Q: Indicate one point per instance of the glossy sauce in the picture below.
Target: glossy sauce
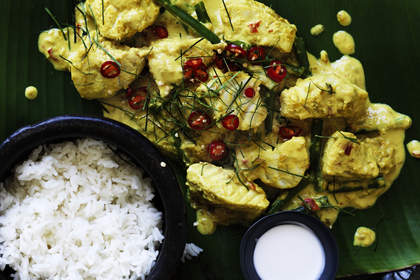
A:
(317, 30)
(364, 237)
(390, 124)
(31, 92)
(413, 148)
(289, 252)
(344, 18)
(344, 42)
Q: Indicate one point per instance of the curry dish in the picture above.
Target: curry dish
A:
(229, 88)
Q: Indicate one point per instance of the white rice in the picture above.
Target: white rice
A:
(190, 251)
(76, 210)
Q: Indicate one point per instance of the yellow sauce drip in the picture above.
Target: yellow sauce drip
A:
(344, 18)
(364, 237)
(317, 30)
(413, 148)
(31, 92)
(344, 42)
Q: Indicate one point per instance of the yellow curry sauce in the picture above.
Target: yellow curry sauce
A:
(317, 29)
(31, 92)
(344, 42)
(413, 148)
(364, 237)
(260, 125)
(344, 18)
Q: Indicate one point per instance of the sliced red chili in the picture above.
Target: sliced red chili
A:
(136, 97)
(249, 92)
(277, 71)
(195, 69)
(50, 53)
(219, 62)
(199, 120)
(201, 75)
(160, 31)
(256, 53)
(254, 26)
(311, 204)
(225, 64)
(217, 150)
(235, 50)
(287, 132)
(188, 74)
(110, 69)
(348, 148)
(194, 63)
(230, 122)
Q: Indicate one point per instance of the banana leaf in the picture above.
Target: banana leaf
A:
(386, 35)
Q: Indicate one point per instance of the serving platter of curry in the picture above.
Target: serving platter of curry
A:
(259, 106)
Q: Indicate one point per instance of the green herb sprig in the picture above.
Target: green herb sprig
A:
(57, 23)
(190, 21)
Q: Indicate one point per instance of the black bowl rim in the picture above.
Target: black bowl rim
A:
(250, 238)
(140, 150)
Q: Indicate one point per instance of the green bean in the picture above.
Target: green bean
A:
(377, 183)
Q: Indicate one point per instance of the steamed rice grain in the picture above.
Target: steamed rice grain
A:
(76, 210)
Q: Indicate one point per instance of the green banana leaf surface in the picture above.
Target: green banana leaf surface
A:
(387, 40)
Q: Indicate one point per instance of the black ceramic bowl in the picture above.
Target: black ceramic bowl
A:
(127, 141)
(250, 238)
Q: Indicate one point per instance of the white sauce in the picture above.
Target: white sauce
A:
(289, 252)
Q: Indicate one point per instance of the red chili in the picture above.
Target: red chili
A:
(311, 204)
(225, 64)
(217, 150)
(219, 62)
(236, 51)
(194, 63)
(230, 122)
(110, 69)
(160, 31)
(201, 75)
(188, 74)
(276, 71)
(50, 53)
(287, 132)
(249, 92)
(136, 97)
(348, 148)
(195, 68)
(199, 120)
(254, 26)
(256, 53)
